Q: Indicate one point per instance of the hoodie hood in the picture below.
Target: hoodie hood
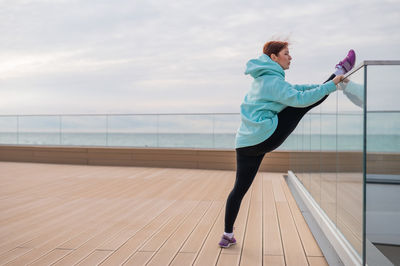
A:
(264, 65)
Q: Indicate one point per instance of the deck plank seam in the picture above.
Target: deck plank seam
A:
(161, 227)
(279, 227)
(283, 182)
(208, 233)
(175, 229)
(148, 238)
(245, 225)
(194, 228)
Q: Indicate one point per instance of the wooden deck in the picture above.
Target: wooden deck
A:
(88, 215)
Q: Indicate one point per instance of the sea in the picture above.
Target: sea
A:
(295, 142)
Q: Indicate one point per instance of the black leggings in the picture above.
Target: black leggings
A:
(248, 159)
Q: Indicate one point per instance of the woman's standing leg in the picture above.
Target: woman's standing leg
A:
(247, 167)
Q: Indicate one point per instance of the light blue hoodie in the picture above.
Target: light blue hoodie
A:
(269, 94)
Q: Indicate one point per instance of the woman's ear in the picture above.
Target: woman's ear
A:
(274, 57)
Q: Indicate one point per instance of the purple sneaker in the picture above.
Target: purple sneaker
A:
(226, 242)
(348, 62)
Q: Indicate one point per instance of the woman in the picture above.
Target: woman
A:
(271, 111)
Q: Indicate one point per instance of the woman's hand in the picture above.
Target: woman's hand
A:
(337, 79)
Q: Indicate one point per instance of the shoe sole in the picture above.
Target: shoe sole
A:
(230, 244)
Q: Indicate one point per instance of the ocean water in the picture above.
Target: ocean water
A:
(375, 143)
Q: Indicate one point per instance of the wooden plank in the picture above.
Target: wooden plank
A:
(45, 243)
(59, 160)
(54, 148)
(309, 243)
(143, 163)
(272, 235)
(195, 240)
(183, 258)
(229, 260)
(171, 247)
(59, 154)
(35, 207)
(123, 205)
(51, 257)
(13, 254)
(270, 260)
(21, 238)
(252, 253)
(53, 233)
(279, 195)
(293, 250)
(162, 157)
(8, 205)
(44, 212)
(124, 252)
(154, 157)
(125, 234)
(89, 230)
(209, 252)
(94, 258)
(16, 157)
(109, 230)
(139, 258)
(196, 156)
(160, 237)
(216, 166)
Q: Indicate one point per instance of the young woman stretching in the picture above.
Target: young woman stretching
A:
(271, 111)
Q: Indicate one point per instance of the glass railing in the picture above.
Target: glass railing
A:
(348, 159)
(125, 130)
(210, 131)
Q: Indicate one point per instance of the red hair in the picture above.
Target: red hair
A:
(274, 47)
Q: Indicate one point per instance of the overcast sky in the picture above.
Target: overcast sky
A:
(154, 56)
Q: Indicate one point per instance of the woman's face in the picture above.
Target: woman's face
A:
(283, 58)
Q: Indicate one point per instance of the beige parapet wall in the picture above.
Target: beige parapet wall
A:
(277, 161)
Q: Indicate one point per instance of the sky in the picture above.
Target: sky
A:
(156, 56)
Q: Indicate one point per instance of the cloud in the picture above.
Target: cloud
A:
(181, 56)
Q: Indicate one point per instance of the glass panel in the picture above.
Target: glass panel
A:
(8, 130)
(340, 186)
(350, 120)
(186, 131)
(39, 130)
(306, 151)
(177, 130)
(290, 144)
(331, 167)
(132, 130)
(225, 127)
(300, 158)
(383, 165)
(328, 157)
(294, 155)
(315, 156)
(84, 130)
